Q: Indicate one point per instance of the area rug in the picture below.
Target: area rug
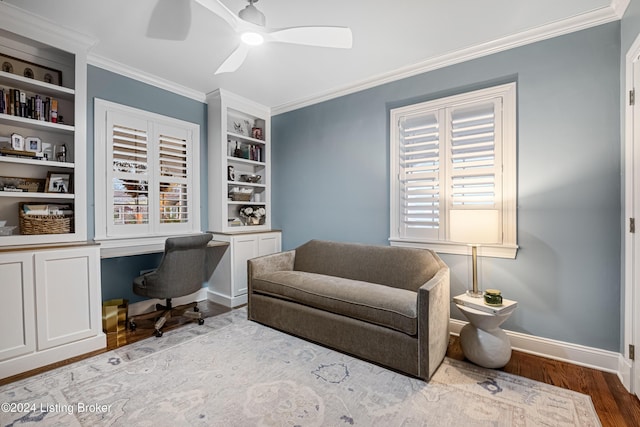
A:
(233, 372)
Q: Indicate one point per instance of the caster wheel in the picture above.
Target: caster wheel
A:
(200, 321)
(132, 326)
(158, 333)
(196, 309)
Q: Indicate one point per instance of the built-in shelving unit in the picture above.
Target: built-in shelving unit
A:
(69, 58)
(239, 146)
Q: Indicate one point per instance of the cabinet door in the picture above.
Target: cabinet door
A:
(244, 248)
(67, 296)
(269, 243)
(17, 324)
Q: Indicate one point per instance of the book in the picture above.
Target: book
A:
(478, 304)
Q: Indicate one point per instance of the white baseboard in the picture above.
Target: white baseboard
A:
(150, 305)
(225, 300)
(603, 360)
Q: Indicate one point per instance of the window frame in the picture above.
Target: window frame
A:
(508, 179)
(155, 231)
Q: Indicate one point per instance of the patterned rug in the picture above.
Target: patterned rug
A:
(233, 372)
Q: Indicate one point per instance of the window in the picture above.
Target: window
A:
(147, 176)
(452, 157)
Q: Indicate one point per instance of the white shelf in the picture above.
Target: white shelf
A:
(16, 81)
(246, 138)
(27, 161)
(36, 124)
(245, 161)
(246, 184)
(34, 195)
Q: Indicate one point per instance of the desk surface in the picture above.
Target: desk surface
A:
(145, 249)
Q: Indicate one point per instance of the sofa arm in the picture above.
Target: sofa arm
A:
(433, 322)
(281, 261)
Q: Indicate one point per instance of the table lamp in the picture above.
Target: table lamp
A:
(474, 227)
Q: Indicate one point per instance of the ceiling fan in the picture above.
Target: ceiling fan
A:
(249, 23)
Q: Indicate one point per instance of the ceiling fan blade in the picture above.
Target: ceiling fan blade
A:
(338, 37)
(235, 60)
(170, 20)
(222, 11)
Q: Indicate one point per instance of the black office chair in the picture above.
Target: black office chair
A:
(181, 272)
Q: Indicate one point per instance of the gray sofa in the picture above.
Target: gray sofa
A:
(388, 305)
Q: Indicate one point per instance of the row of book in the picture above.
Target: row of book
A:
(16, 102)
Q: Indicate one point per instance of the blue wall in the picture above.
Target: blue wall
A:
(118, 273)
(331, 179)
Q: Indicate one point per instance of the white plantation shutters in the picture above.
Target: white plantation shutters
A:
(174, 161)
(475, 161)
(420, 174)
(128, 174)
(452, 155)
(151, 178)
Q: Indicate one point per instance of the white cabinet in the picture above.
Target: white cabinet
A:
(228, 284)
(239, 163)
(50, 308)
(64, 52)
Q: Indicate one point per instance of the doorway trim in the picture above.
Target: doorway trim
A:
(630, 297)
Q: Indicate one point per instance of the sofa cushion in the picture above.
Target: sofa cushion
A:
(405, 268)
(383, 305)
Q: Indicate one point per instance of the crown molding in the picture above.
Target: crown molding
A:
(128, 71)
(596, 17)
(29, 25)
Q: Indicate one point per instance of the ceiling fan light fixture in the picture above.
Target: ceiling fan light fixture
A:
(252, 39)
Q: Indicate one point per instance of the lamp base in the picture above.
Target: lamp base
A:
(475, 294)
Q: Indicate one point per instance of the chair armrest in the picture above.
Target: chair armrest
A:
(433, 322)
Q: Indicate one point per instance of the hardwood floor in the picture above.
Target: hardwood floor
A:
(614, 405)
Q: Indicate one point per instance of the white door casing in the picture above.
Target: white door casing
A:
(630, 371)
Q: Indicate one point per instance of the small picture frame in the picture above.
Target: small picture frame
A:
(17, 142)
(58, 182)
(30, 70)
(33, 144)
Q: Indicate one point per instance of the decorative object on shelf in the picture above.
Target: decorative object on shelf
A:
(58, 182)
(252, 178)
(17, 142)
(493, 297)
(474, 227)
(253, 215)
(241, 194)
(7, 230)
(61, 153)
(45, 219)
(17, 153)
(47, 151)
(33, 144)
(30, 70)
(237, 152)
(20, 185)
(256, 132)
(231, 175)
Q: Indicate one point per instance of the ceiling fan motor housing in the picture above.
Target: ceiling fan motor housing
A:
(252, 14)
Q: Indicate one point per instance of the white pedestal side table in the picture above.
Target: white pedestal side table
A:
(482, 340)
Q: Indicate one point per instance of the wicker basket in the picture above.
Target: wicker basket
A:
(241, 196)
(44, 224)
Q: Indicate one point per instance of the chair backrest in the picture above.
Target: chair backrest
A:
(182, 269)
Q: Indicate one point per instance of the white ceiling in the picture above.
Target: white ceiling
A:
(390, 39)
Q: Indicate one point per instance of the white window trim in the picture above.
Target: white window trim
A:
(509, 247)
(101, 186)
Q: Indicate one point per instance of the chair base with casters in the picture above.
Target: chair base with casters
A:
(165, 312)
(181, 272)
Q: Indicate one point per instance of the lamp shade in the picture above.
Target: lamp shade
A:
(474, 226)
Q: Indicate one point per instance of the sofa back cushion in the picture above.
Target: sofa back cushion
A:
(403, 268)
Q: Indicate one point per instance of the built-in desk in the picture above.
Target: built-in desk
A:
(146, 248)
